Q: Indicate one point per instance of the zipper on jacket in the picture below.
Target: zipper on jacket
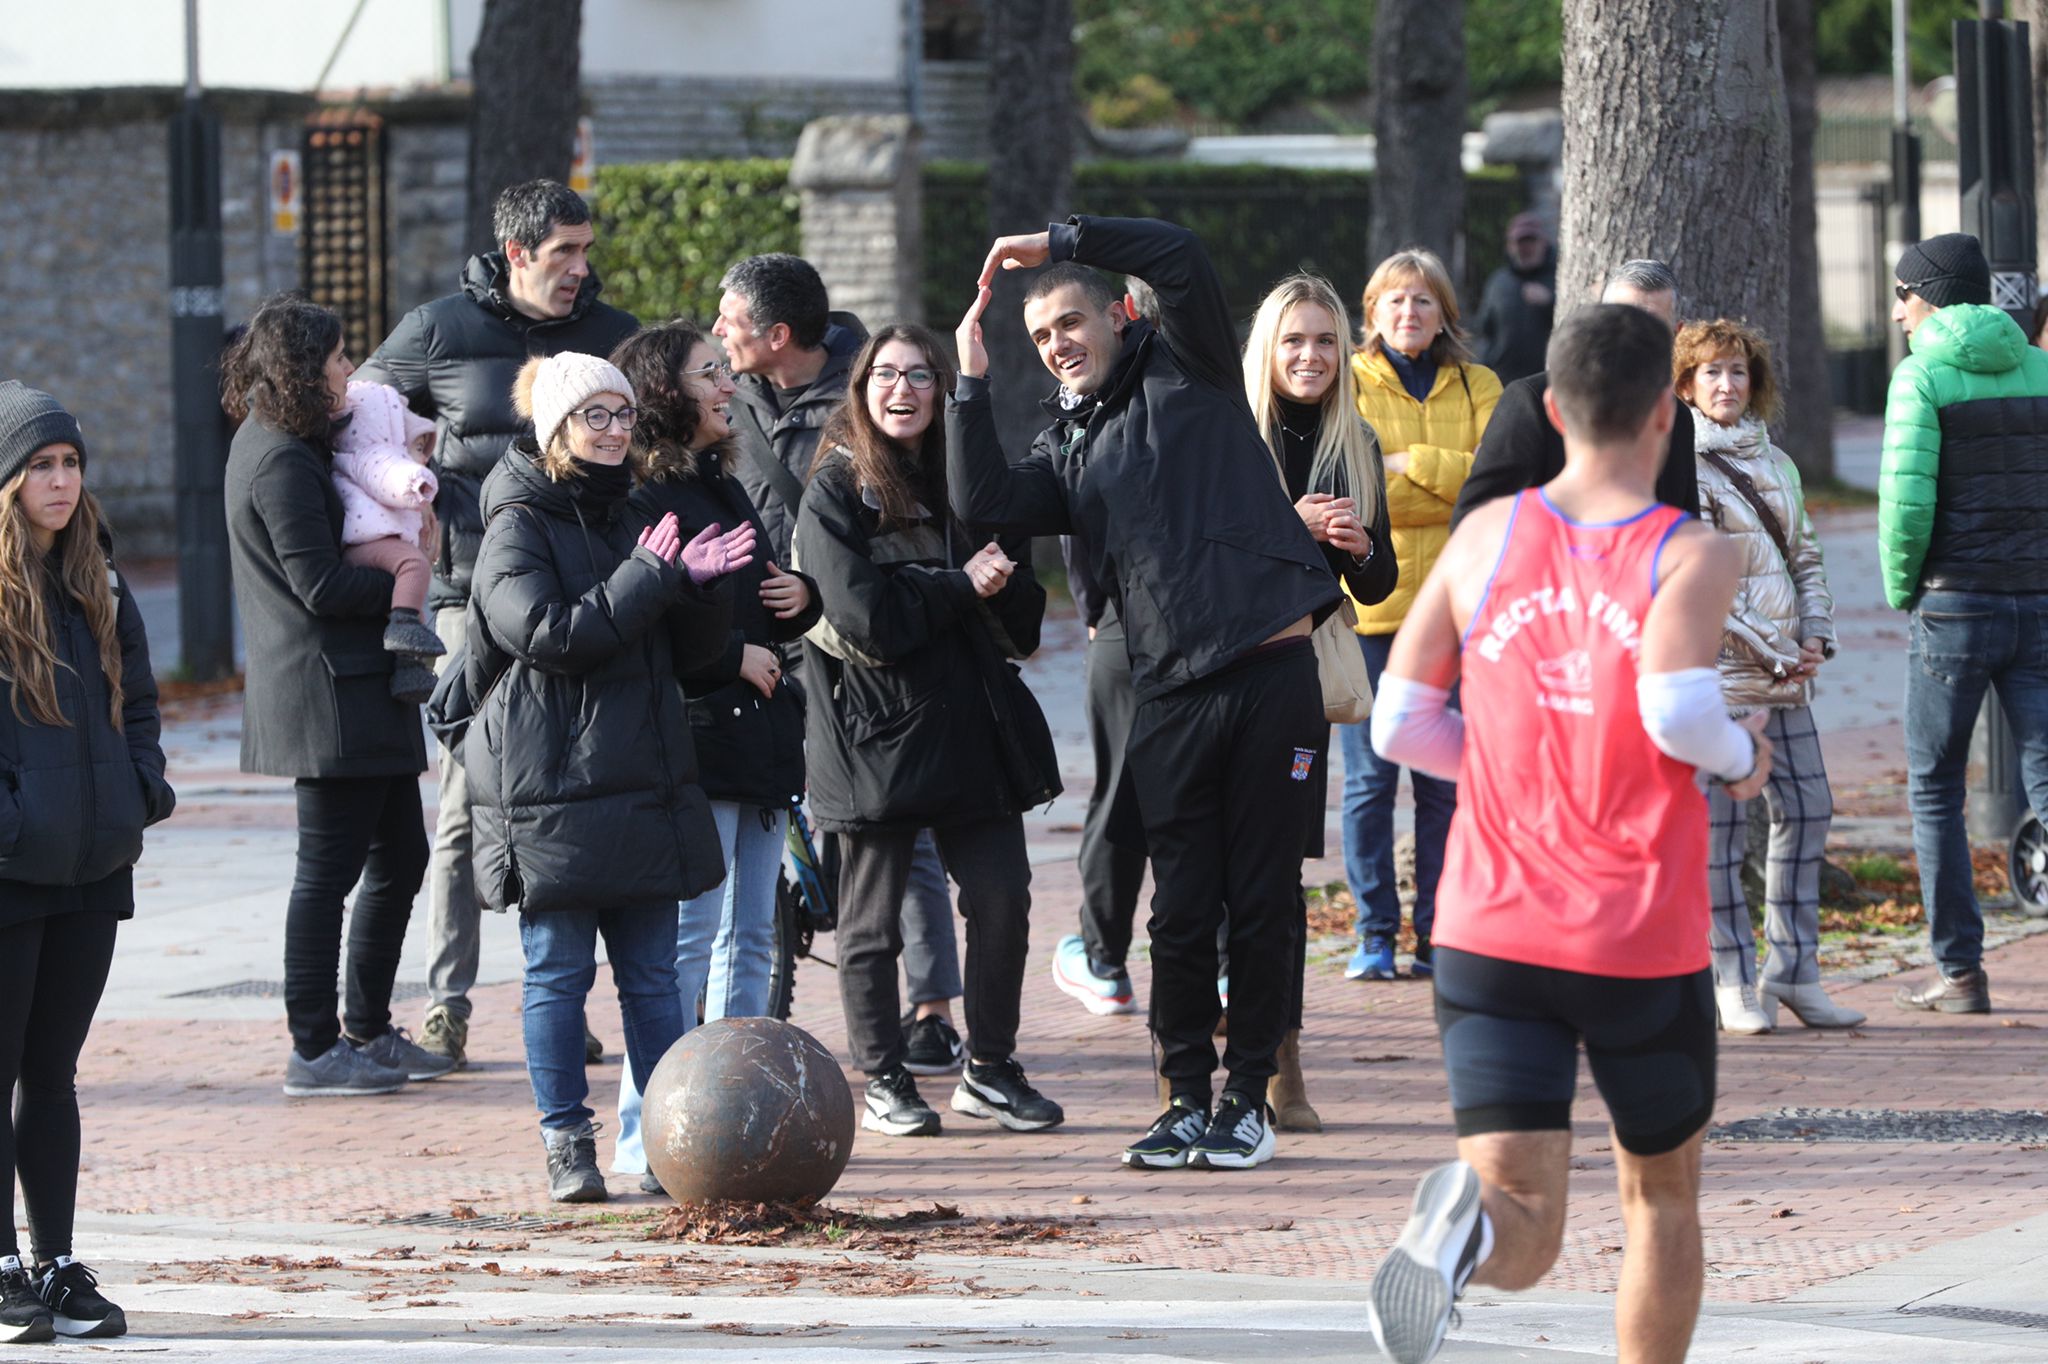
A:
(88, 787)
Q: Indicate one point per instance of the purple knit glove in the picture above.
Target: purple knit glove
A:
(710, 556)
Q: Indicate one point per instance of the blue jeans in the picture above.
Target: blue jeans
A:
(561, 966)
(724, 946)
(1964, 642)
(1369, 785)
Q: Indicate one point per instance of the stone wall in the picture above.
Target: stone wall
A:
(426, 177)
(863, 211)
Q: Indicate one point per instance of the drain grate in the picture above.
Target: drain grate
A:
(2005, 1127)
(491, 1222)
(1994, 1316)
(274, 989)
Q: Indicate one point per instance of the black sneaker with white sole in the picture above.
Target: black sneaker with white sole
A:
(895, 1109)
(998, 1089)
(1240, 1135)
(24, 1316)
(931, 1046)
(1417, 1286)
(1165, 1146)
(77, 1309)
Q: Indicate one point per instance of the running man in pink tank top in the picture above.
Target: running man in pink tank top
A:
(1582, 620)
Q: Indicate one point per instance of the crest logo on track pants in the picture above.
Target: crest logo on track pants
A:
(1304, 759)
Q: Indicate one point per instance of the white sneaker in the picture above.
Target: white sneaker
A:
(1809, 1004)
(1739, 1010)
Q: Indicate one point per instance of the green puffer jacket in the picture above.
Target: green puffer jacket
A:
(1963, 486)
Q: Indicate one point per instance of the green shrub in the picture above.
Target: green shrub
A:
(666, 231)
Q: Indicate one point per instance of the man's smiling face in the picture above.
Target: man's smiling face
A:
(1078, 342)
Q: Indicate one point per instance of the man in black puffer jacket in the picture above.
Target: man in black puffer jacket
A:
(454, 359)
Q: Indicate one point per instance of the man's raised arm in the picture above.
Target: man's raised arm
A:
(986, 490)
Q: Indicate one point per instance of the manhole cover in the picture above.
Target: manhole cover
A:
(274, 989)
(475, 1222)
(1995, 1316)
(1995, 1125)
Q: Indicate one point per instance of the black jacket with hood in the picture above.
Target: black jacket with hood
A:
(582, 778)
(1166, 480)
(750, 748)
(454, 359)
(75, 798)
(916, 717)
(1513, 331)
(775, 447)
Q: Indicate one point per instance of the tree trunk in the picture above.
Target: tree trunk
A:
(1806, 430)
(1030, 183)
(522, 117)
(1418, 82)
(1676, 146)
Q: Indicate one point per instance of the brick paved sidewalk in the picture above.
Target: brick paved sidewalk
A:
(186, 1118)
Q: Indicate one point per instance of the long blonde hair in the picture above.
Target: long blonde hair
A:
(1344, 436)
(27, 658)
(1450, 346)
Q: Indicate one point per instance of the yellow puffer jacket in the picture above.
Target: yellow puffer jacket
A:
(1439, 436)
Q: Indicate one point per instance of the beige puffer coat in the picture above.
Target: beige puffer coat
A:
(1776, 605)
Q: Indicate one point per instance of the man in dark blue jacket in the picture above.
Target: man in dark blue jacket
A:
(1158, 468)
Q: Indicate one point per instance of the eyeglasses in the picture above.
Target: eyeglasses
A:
(1902, 292)
(717, 369)
(601, 418)
(884, 376)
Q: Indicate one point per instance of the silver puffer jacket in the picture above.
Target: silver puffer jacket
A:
(1777, 604)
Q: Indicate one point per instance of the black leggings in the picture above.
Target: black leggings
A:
(51, 974)
(350, 827)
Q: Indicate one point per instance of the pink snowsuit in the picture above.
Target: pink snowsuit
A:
(387, 492)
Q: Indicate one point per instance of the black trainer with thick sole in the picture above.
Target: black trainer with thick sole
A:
(78, 1311)
(1165, 1146)
(24, 1316)
(1240, 1135)
(1418, 1284)
(893, 1107)
(1000, 1091)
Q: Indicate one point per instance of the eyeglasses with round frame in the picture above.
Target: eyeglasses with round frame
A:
(714, 371)
(883, 376)
(600, 418)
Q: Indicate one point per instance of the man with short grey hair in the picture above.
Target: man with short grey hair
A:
(1521, 449)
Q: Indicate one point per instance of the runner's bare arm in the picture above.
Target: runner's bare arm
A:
(1678, 689)
(1412, 722)
(1696, 579)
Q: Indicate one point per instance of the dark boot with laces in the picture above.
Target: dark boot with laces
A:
(573, 1176)
(78, 1311)
(24, 1317)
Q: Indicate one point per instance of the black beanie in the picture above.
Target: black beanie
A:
(1947, 269)
(29, 420)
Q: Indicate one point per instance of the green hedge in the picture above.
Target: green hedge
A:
(666, 231)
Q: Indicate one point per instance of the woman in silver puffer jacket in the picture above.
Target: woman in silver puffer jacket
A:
(1779, 631)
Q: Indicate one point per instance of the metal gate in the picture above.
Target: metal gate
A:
(342, 246)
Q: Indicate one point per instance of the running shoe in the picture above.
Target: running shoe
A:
(1240, 1135)
(999, 1090)
(77, 1310)
(931, 1046)
(24, 1316)
(1101, 990)
(1425, 958)
(1374, 959)
(340, 1071)
(651, 1183)
(393, 1050)
(1415, 1291)
(895, 1109)
(573, 1176)
(1165, 1146)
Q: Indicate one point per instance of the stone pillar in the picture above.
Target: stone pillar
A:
(861, 181)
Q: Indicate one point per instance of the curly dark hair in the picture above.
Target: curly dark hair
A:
(652, 360)
(277, 369)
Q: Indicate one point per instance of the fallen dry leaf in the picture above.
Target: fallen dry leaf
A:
(1784, 1212)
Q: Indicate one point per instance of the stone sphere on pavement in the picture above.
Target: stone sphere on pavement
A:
(750, 1109)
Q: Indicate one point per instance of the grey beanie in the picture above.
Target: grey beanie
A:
(1947, 269)
(29, 420)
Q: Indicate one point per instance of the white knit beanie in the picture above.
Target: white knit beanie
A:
(564, 383)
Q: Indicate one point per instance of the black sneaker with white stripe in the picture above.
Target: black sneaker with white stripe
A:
(1165, 1146)
(1240, 1136)
(77, 1310)
(895, 1109)
(998, 1089)
(1417, 1286)
(24, 1317)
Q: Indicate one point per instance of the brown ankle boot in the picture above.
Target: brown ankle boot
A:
(1287, 1094)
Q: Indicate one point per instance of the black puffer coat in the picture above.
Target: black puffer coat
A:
(750, 748)
(765, 434)
(74, 799)
(454, 359)
(582, 780)
(915, 718)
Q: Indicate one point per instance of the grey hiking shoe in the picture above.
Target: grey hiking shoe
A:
(573, 1176)
(408, 634)
(446, 1033)
(339, 1072)
(397, 1051)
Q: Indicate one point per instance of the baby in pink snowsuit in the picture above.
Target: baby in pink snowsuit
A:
(387, 502)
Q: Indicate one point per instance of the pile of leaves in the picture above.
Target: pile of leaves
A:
(940, 1227)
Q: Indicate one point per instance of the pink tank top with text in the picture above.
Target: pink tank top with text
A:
(1577, 844)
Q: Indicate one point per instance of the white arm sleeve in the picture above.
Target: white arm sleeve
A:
(1685, 717)
(1413, 725)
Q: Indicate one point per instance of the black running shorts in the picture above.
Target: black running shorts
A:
(1511, 1034)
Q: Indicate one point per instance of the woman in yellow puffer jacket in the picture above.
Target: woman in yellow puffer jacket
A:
(1429, 403)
